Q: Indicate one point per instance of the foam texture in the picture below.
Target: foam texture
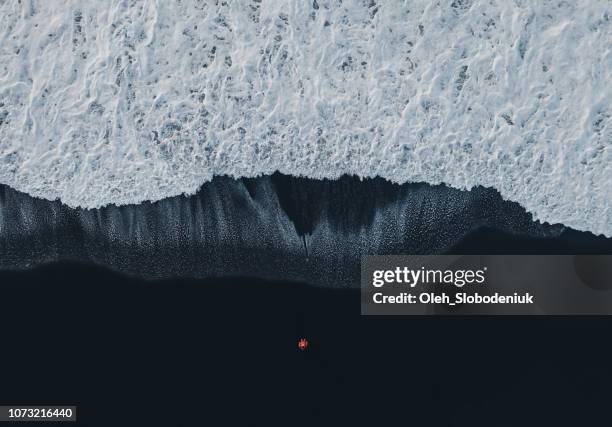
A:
(117, 101)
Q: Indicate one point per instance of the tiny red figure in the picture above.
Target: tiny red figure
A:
(302, 344)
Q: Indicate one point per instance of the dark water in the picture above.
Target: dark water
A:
(486, 240)
(192, 353)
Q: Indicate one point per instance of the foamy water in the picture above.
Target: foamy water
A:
(124, 101)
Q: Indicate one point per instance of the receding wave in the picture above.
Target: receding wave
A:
(276, 227)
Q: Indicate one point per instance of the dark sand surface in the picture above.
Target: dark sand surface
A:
(192, 353)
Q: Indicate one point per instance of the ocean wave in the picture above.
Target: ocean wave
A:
(116, 102)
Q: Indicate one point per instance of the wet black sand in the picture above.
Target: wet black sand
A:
(276, 228)
(118, 311)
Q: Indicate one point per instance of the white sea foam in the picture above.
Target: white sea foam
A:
(116, 101)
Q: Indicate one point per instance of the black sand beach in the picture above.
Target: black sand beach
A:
(188, 311)
(201, 352)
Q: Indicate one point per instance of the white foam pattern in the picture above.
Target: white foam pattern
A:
(122, 101)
